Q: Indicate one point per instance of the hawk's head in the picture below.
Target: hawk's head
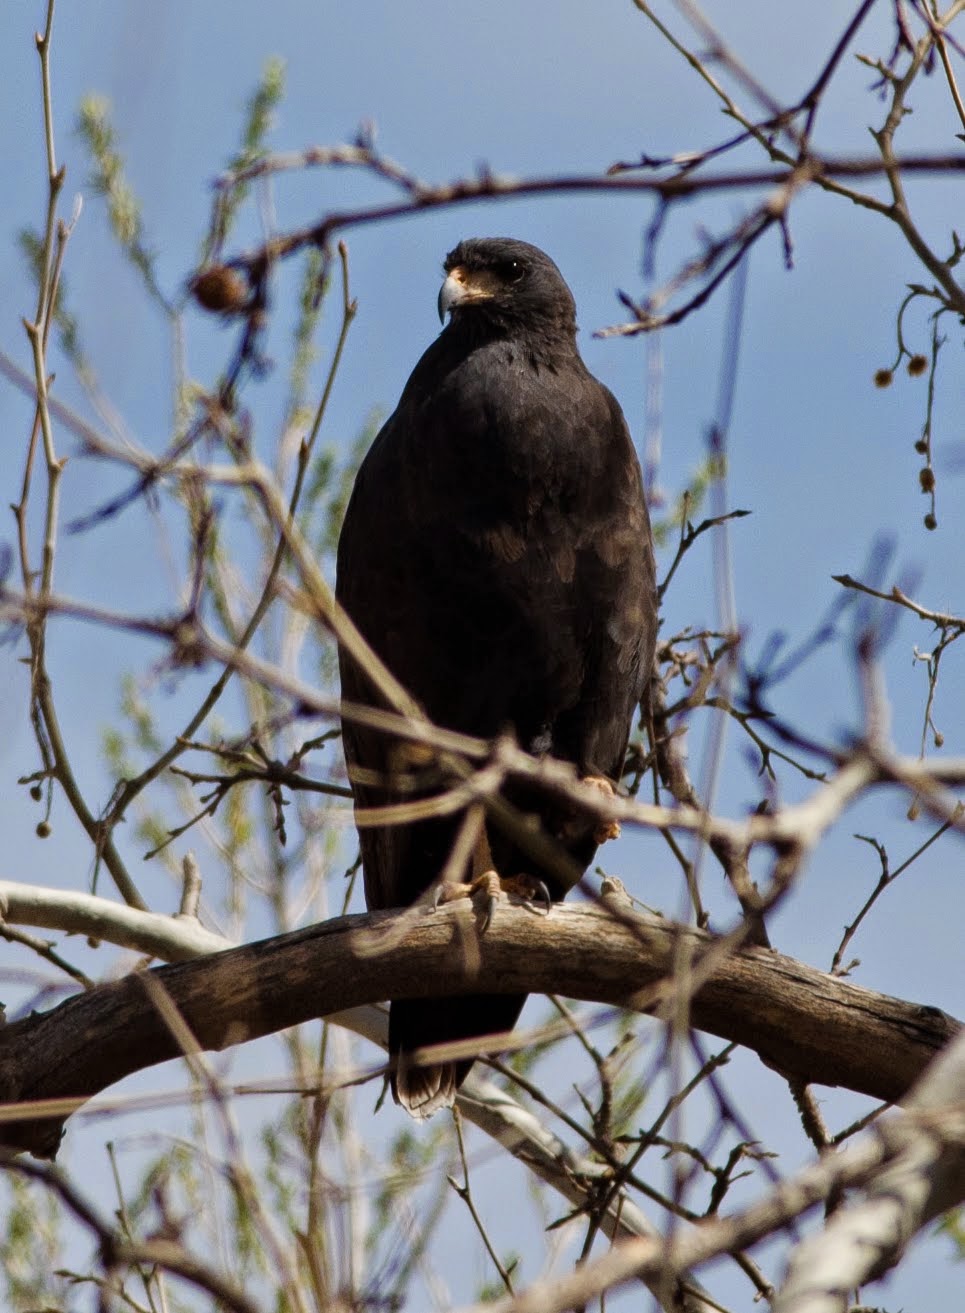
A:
(505, 281)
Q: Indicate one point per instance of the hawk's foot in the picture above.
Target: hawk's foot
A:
(527, 887)
(603, 830)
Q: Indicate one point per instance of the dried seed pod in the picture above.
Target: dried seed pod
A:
(220, 289)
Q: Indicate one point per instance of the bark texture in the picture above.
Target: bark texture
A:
(798, 1019)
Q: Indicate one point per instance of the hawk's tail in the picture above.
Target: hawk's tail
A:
(420, 1023)
(424, 1090)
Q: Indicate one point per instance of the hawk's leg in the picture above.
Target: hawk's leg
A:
(487, 879)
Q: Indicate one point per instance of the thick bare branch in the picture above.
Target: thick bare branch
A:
(797, 1018)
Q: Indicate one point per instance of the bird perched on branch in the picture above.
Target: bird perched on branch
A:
(497, 555)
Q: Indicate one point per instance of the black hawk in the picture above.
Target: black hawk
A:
(496, 554)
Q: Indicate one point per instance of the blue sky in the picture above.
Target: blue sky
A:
(823, 459)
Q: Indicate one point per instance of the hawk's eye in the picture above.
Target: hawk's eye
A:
(510, 271)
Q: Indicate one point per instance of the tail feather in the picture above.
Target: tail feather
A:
(420, 1023)
(424, 1090)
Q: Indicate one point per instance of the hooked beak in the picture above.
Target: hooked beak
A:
(452, 292)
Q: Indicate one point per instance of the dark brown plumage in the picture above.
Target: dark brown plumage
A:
(496, 554)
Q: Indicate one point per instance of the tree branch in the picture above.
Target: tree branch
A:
(172, 938)
(923, 1178)
(913, 1166)
(795, 1017)
(653, 1257)
(494, 1111)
